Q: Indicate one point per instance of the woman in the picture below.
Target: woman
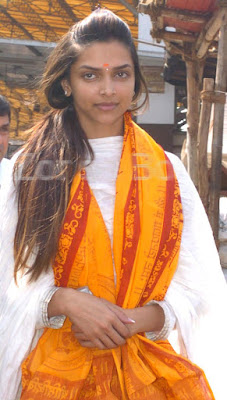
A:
(100, 238)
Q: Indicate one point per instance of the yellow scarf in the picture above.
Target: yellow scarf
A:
(147, 233)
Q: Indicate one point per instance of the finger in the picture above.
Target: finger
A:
(87, 343)
(121, 315)
(121, 328)
(75, 329)
(81, 336)
(93, 344)
(113, 340)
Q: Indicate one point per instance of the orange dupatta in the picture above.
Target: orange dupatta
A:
(147, 232)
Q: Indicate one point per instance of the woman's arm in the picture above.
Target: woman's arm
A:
(198, 292)
(96, 322)
(94, 319)
(149, 318)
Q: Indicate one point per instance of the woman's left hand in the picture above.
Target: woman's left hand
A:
(147, 319)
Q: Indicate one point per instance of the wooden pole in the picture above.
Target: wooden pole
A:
(204, 122)
(220, 86)
(194, 78)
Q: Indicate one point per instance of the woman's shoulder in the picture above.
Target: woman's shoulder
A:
(179, 168)
(189, 193)
(175, 161)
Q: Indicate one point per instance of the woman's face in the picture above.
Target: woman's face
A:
(102, 83)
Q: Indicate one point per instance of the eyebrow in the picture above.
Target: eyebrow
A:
(99, 69)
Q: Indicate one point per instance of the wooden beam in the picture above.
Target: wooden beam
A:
(34, 18)
(209, 32)
(68, 13)
(150, 43)
(14, 22)
(175, 49)
(174, 36)
(34, 51)
(160, 23)
(131, 8)
(204, 124)
(215, 178)
(183, 15)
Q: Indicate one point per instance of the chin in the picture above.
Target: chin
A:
(109, 121)
(108, 117)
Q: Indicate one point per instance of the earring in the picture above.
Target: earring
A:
(66, 93)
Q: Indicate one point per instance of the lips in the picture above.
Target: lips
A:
(106, 106)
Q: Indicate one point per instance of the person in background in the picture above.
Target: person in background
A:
(4, 136)
(113, 253)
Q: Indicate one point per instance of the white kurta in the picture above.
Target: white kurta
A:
(197, 293)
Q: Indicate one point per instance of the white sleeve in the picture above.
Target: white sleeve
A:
(19, 305)
(198, 292)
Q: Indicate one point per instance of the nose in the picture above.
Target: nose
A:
(107, 87)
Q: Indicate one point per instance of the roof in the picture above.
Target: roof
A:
(192, 5)
(202, 8)
(29, 30)
(188, 27)
(48, 20)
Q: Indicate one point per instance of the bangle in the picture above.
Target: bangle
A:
(170, 320)
(55, 322)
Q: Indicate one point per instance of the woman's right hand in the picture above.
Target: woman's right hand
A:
(96, 322)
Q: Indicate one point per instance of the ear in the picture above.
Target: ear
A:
(66, 87)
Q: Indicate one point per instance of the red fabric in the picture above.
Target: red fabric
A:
(203, 7)
(193, 5)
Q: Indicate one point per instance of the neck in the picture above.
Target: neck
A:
(95, 130)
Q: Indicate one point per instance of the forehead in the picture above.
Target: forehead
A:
(4, 120)
(98, 54)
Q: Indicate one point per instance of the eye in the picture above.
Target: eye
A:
(122, 74)
(4, 130)
(89, 76)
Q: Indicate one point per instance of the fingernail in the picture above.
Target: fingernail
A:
(131, 320)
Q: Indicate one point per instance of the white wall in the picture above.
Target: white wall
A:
(162, 105)
(161, 108)
(144, 28)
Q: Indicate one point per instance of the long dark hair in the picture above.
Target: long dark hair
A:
(57, 145)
